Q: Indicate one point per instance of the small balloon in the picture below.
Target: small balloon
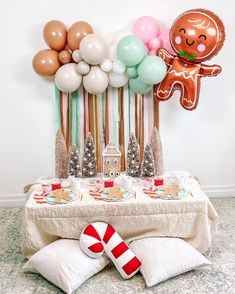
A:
(132, 72)
(117, 80)
(76, 56)
(118, 67)
(55, 35)
(46, 62)
(146, 28)
(65, 56)
(153, 52)
(96, 81)
(106, 65)
(154, 43)
(131, 50)
(93, 49)
(138, 86)
(152, 70)
(77, 32)
(83, 68)
(67, 78)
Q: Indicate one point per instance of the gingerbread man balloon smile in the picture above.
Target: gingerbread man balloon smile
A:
(196, 35)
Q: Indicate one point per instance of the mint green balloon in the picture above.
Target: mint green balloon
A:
(152, 70)
(138, 86)
(131, 50)
(131, 71)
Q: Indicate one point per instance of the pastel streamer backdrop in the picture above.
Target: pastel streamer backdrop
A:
(112, 115)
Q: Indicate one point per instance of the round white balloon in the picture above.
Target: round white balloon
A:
(118, 67)
(93, 49)
(96, 81)
(83, 68)
(67, 78)
(106, 65)
(76, 56)
(117, 80)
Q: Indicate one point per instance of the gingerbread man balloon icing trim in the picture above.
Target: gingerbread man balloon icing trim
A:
(196, 35)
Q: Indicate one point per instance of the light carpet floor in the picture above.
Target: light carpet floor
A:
(217, 278)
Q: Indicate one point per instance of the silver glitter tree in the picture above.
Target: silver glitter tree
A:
(74, 162)
(61, 156)
(89, 168)
(156, 146)
(133, 157)
(147, 162)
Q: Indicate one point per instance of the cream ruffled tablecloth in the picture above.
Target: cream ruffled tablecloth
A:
(191, 218)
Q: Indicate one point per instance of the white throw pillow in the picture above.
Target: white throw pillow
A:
(64, 264)
(164, 258)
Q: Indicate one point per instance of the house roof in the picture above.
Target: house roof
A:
(111, 150)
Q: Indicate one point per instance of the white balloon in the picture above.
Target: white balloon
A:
(106, 65)
(83, 68)
(118, 67)
(96, 81)
(67, 78)
(117, 80)
(76, 55)
(112, 54)
(93, 49)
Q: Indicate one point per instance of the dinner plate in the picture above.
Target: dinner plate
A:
(104, 195)
(74, 195)
(160, 190)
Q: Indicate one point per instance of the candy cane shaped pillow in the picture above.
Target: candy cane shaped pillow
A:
(99, 237)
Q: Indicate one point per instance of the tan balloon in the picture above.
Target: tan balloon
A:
(46, 62)
(55, 35)
(65, 56)
(76, 32)
(96, 81)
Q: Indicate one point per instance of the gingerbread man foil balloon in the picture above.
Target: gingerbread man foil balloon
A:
(196, 36)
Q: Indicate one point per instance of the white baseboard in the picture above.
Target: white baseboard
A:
(12, 200)
(216, 191)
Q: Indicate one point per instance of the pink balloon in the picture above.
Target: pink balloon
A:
(153, 52)
(164, 36)
(155, 43)
(146, 28)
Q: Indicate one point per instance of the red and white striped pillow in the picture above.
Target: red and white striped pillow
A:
(99, 237)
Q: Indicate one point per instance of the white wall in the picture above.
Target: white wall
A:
(202, 142)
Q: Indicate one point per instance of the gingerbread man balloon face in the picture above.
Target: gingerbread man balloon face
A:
(196, 35)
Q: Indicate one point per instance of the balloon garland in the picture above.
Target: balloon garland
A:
(79, 57)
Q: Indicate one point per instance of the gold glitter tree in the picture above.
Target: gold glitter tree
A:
(61, 156)
(156, 146)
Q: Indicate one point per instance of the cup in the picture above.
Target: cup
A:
(158, 182)
(55, 186)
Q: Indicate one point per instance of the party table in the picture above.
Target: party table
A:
(192, 218)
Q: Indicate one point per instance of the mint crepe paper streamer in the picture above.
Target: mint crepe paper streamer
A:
(74, 117)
